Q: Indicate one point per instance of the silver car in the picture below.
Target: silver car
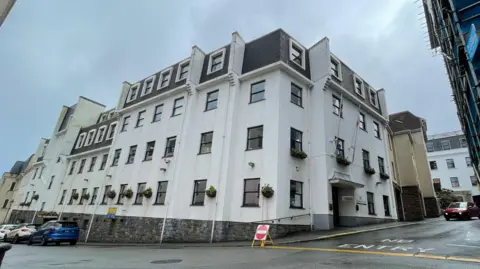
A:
(5, 228)
(20, 232)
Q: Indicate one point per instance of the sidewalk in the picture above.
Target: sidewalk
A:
(294, 238)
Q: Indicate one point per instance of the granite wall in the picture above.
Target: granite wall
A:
(431, 206)
(412, 203)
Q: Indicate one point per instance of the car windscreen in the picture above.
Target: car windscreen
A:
(31, 226)
(458, 205)
(69, 224)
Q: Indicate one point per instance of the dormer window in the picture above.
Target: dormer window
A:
(132, 94)
(165, 78)
(101, 134)
(81, 139)
(183, 69)
(111, 130)
(373, 97)
(216, 61)
(359, 85)
(336, 67)
(148, 85)
(103, 118)
(297, 53)
(90, 137)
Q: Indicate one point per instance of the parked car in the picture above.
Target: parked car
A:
(4, 229)
(56, 231)
(461, 210)
(20, 232)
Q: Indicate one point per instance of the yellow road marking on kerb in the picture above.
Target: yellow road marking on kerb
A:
(426, 256)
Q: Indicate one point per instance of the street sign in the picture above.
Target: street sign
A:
(112, 211)
(262, 235)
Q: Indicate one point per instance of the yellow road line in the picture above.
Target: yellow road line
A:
(426, 256)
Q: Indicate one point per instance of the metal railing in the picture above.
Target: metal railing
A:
(279, 219)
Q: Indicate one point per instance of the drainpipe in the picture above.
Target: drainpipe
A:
(395, 158)
(309, 165)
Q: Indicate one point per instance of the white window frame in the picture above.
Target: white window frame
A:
(290, 48)
(81, 139)
(370, 90)
(449, 145)
(137, 86)
(109, 129)
(214, 54)
(144, 88)
(187, 61)
(99, 138)
(159, 87)
(355, 78)
(339, 65)
(104, 117)
(91, 134)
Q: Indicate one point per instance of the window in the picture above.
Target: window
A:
(149, 150)
(105, 197)
(82, 165)
(64, 193)
(216, 61)
(376, 130)
(337, 106)
(454, 181)
(140, 119)
(296, 95)
(336, 68)
(178, 106)
(36, 171)
(386, 205)
(80, 140)
(43, 206)
(371, 203)
(94, 195)
(131, 154)
(170, 146)
(104, 162)
(26, 197)
(255, 137)
(468, 161)
(148, 85)
(123, 187)
(199, 187)
(41, 172)
(74, 191)
(157, 115)
(5, 203)
(84, 191)
(361, 121)
(296, 194)
(126, 121)
(373, 97)
(50, 183)
(116, 157)
(257, 92)
(450, 163)
(445, 144)
(132, 95)
(340, 148)
(212, 99)
(12, 187)
(90, 137)
(366, 158)
(433, 165)
(206, 143)
(92, 163)
(111, 130)
(381, 165)
(165, 79)
(161, 192)
(295, 139)
(474, 180)
(183, 70)
(251, 192)
(296, 53)
(430, 147)
(463, 143)
(358, 85)
(101, 134)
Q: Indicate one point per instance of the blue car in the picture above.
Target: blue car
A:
(55, 231)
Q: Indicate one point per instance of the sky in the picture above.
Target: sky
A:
(53, 51)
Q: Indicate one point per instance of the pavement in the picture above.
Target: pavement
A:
(433, 244)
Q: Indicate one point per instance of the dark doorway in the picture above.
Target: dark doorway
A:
(398, 203)
(336, 213)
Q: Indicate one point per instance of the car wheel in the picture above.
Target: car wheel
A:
(43, 242)
(15, 240)
(5, 238)
(30, 242)
(447, 218)
(73, 243)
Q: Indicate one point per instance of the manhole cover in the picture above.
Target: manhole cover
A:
(166, 261)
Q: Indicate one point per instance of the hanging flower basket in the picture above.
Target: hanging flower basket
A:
(111, 194)
(300, 154)
(211, 192)
(342, 160)
(75, 196)
(128, 193)
(267, 191)
(86, 196)
(22, 204)
(384, 176)
(47, 213)
(35, 197)
(28, 204)
(147, 193)
(369, 170)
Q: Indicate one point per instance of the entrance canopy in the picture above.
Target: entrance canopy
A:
(343, 180)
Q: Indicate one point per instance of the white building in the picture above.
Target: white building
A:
(451, 166)
(229, 119)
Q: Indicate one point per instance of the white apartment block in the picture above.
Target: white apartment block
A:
(269, 112)
(451, 166)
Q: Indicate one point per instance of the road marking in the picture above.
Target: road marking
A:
(462, 246)
(379, 247)
(398, 241)
(364, 231)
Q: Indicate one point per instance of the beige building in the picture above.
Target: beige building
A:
(5, 7)
(414, 190)
(9, 184)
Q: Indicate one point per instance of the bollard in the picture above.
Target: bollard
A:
(4, 248)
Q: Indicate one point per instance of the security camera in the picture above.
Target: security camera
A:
(163, 169)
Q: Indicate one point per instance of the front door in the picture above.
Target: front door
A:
(336, 213)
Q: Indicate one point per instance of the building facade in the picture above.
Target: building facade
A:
(415, 193)
(452, 27)
(5, 7)
(194, 150)
(451, 165)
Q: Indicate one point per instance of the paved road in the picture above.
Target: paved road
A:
(454, 238)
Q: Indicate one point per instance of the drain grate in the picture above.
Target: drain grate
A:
(166, 261)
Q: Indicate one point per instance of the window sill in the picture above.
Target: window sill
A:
(206, 153)
(372, 214)
(378, 138)
(103, 203)
(364, 130)
(253, 149)
(297, 104)
(209, 109)
(129, 163)
(145, 160)
(257, 101)
(137, 204)
(166, 157)
(138, 126)
(156, 121)
(341, 116)
(175, 115)
(255, 206)
(293, 207)
(119, 204)
(197, 205)
(158, 203)
(122, 131)
(113, 165)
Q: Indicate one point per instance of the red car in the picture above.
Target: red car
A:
(461, 210)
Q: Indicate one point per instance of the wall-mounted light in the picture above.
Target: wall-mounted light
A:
(297, 168)
(163, 169)
(167, 161)
(251, 164)
(86, 180)
(108, 176)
